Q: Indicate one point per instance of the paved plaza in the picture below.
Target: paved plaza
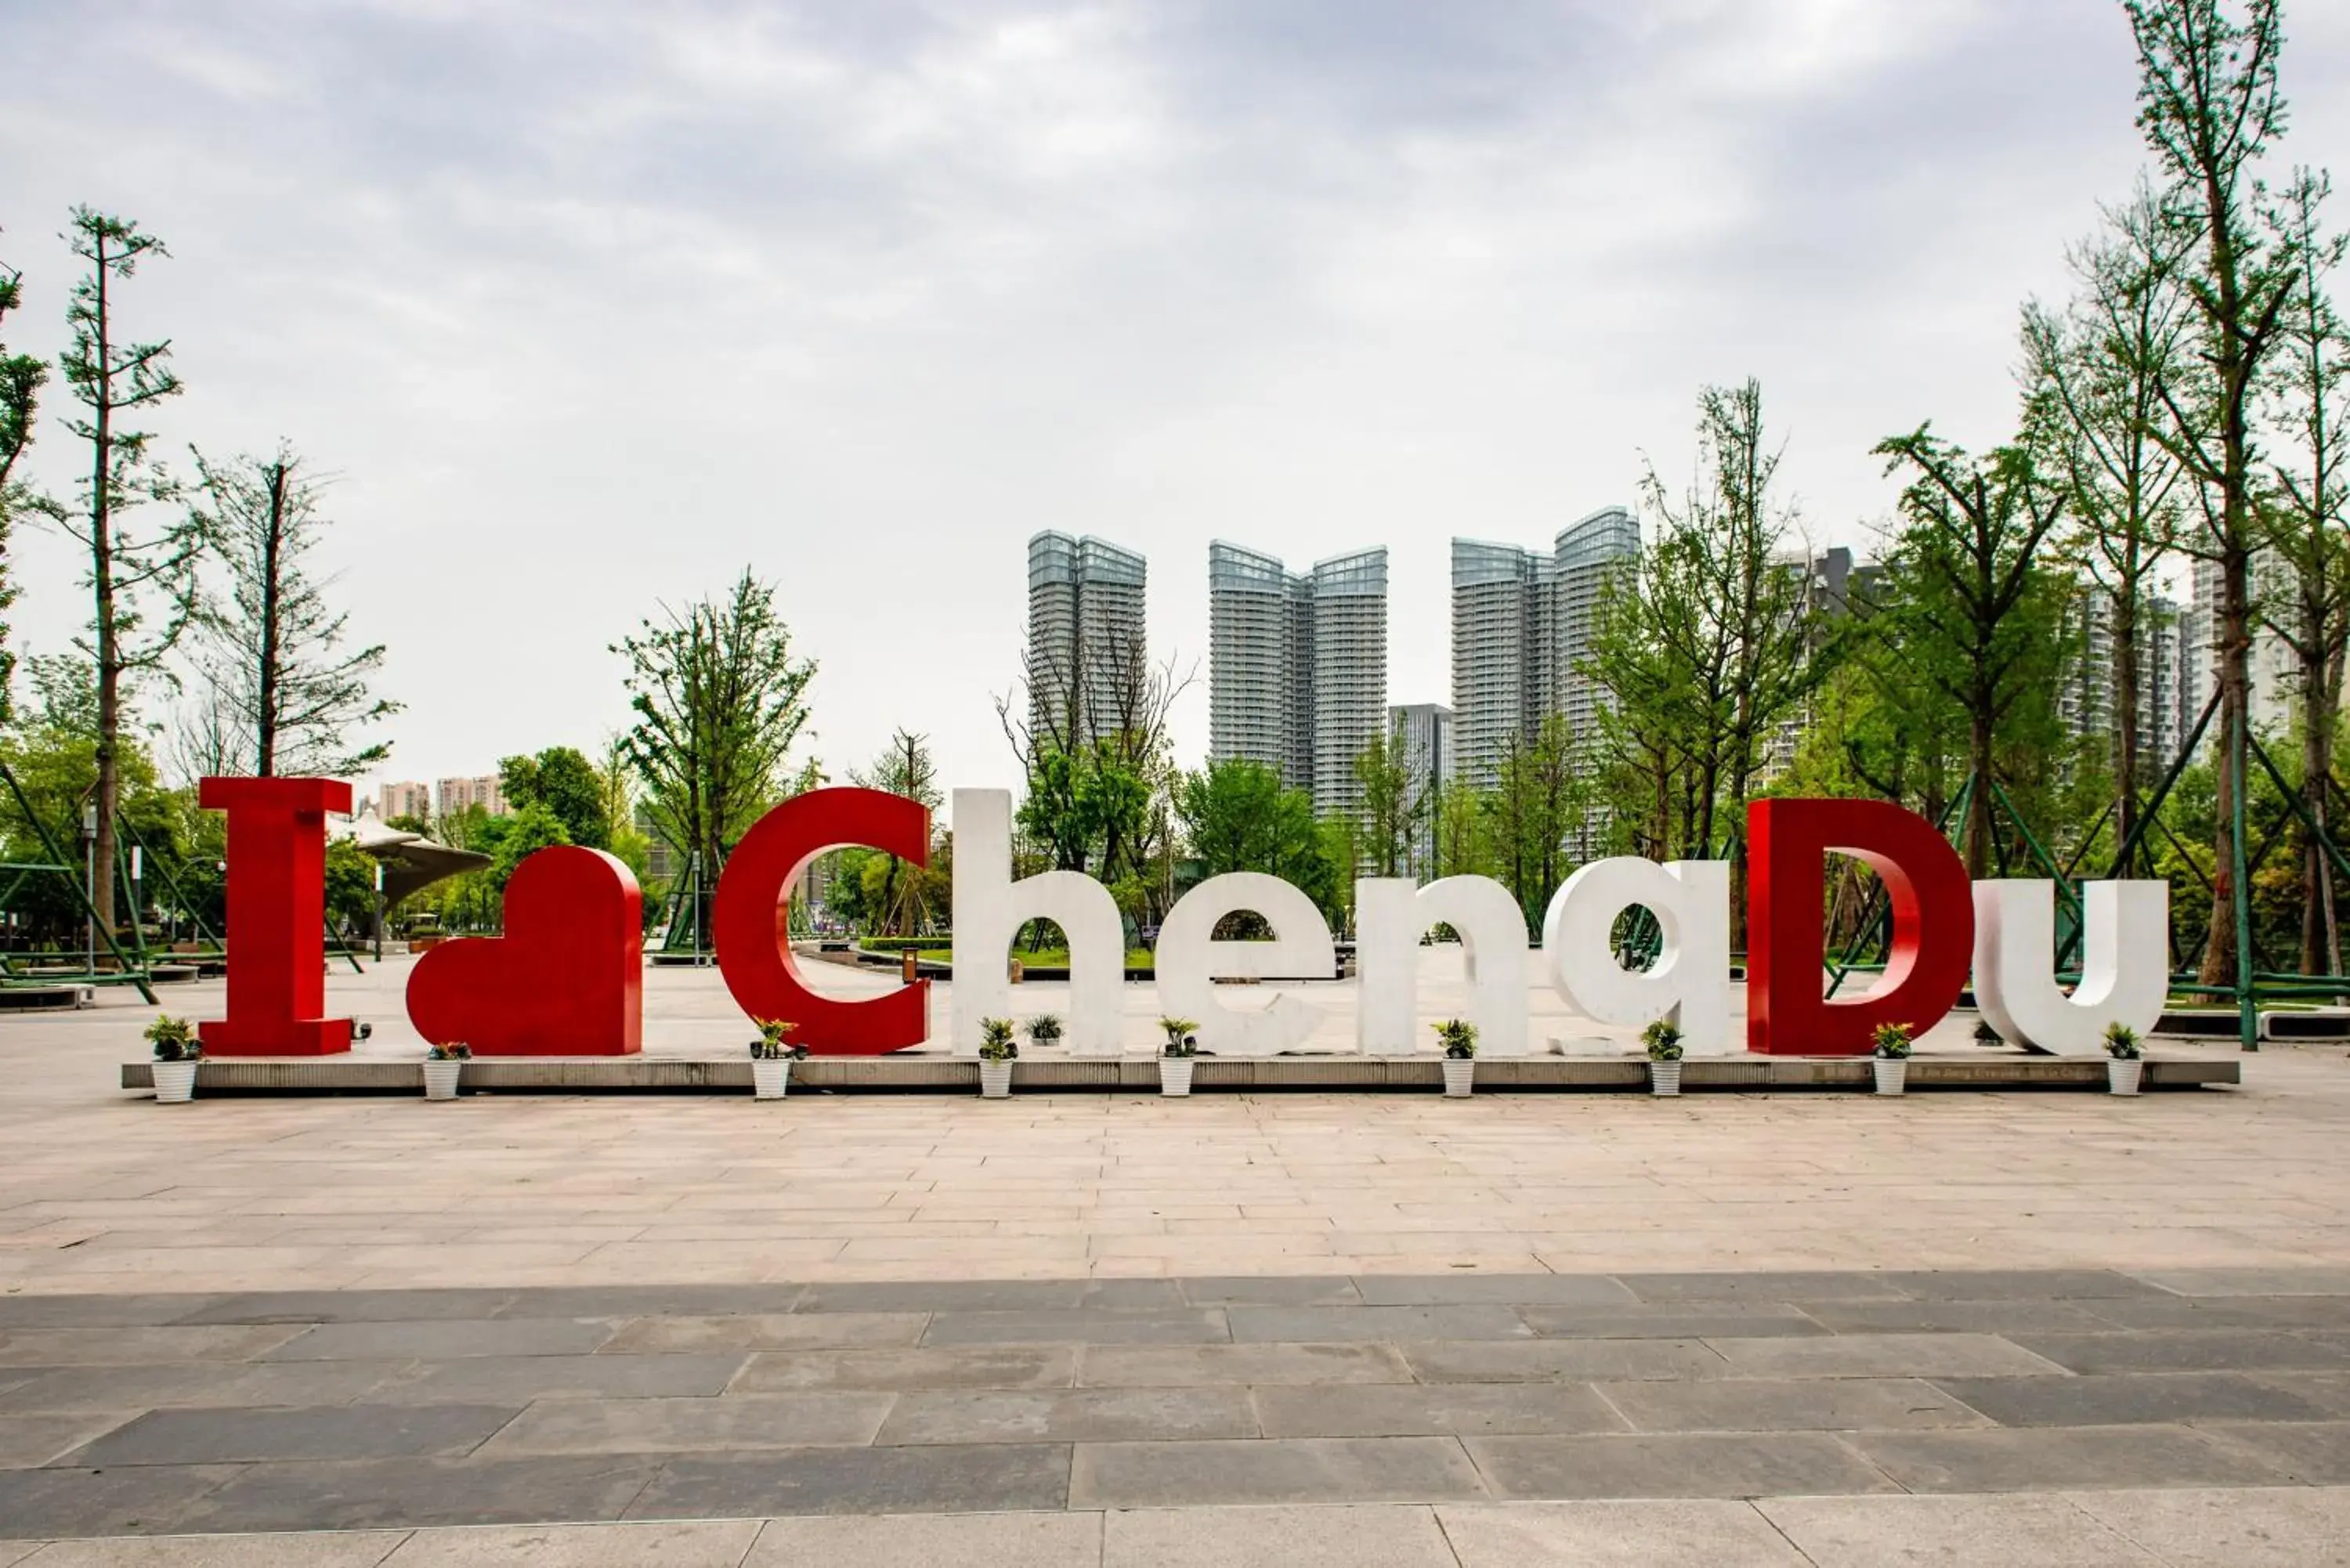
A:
(1109, 1329)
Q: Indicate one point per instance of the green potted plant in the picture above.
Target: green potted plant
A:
(1663, 1039)
(1459, 1038)
(997, 1051)
(444, 1065)
(1045, 1030)
(2124, 1059)
(772, 1056)
(1175, 1061)
(1892, 1042)
(177, 1052)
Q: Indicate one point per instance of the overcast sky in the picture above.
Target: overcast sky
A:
(591, 305)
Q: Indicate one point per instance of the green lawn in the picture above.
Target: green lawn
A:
(1042, 958)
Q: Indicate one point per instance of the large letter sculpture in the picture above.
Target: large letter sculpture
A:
(1933, 924)
(1188, 960)
(989, 911)
(276, 917)
(1690, 982)
(2015, 984)
(568, 978)
(1391, 913)
(746, 919)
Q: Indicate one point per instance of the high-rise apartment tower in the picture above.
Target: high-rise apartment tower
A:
(1298, 665)
(1088, 647)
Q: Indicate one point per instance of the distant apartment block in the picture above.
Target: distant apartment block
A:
(1421, 734)
(455, 796)
(2167, 666)
(1088, 644)
(2271, 663)
(1298, 665)
(404, 799)
(1522, 624)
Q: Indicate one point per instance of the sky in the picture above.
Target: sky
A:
(587, 307)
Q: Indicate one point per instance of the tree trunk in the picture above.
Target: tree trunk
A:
(101, 574)
(2318, 954)
(2126, 735)
(266, 712)
(2234, 645)
(1978, 826)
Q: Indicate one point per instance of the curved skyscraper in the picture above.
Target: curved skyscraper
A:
(1298, 665)
(1088, 645)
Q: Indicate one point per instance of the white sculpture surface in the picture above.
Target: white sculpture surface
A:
(1189, 960)
(1391, 914)
(989, 908)
(1690, 979)
(2015, 953)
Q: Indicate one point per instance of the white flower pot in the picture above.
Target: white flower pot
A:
(1175, 1075)
(994, 1080)
(175, 1082)
(441, 1079)
(2123, 1074)
(1460, 1076)
(1664, 1077)
(770, 1080)
(1892, 1074)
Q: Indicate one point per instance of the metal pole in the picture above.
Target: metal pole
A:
(378, 911)
(2247, 1018)
(89, 882)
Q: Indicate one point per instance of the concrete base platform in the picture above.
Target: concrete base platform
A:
(952, 1076)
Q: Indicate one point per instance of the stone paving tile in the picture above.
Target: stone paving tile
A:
(956, 1541)
(132, 1388)
(2139, 1399)
(1814, 1404)
(205, 1436)
(703, 1543)
(2058, 1459)
(1082, 1415)
(1562, 1360)
(765, 1331)
(519, 1379)
(2292, 1281)
(1225, 1366)
(128, 1311)
(1509, 1290)
(977, 1366)
(647, 1300)
(2329, 1391)
(2316, 1453)
(996, 1295)
(1880, 1532)
(365, 1549)
(1273, 1290)
(15, 1552)
(2208, 1528)
(348, 1306)
(1881, 1355)
(1995, 1316)
(1651, 1534)
(444, 1340)
(1190, 1325)
(1762, 1286)
(739, 1423)
(2230, 1350)
(2223, 1312)
(967, 1478)
(1271, 1470)
(1762, 1318)
(1455, 1409)
(1673, 1465)
(136, 1346)
(1369, 1535)
(1336, 1326)
(51, 1503)
(374, 1494)
(29, 1441)
(2017, 1284)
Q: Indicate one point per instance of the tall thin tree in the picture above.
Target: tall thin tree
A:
(22, 376)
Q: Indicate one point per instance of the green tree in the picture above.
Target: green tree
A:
(906, 769)
(720, 701)
(140, 584)
(285, 688)
(525, 833)
(1239, 816)
(566, 784)
(1394, 805)
(22, 376)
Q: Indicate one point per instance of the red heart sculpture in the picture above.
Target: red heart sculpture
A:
(567, 979)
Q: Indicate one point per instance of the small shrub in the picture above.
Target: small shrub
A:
(451, 1050)
(2122, 1042)
(1176, 1028)
(1181, 1043)
(1044, 1028)
(772, 1044)
(996, 1043)
(1892, 1041)
(174, 1040)
(1663, 1039)
(1459, 1038)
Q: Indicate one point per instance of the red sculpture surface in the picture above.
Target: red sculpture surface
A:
(568, 978)
(1788, 843)
(746, 919)
(276, 917)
